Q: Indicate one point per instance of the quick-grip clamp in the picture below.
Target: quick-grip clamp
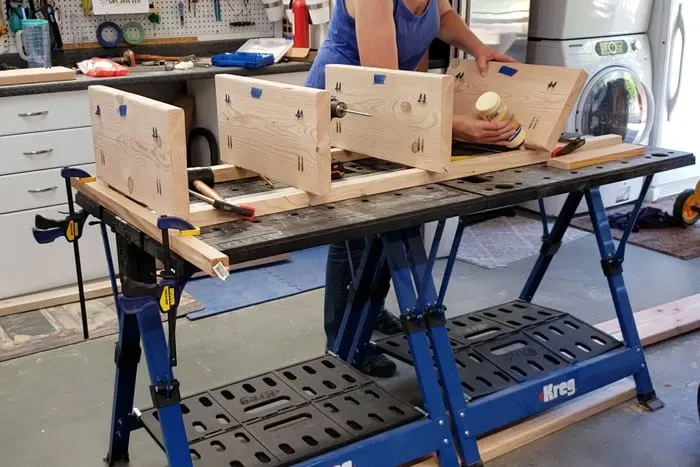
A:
(47, 230)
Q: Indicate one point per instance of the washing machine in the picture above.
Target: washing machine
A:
(616, 99)
(579, 19)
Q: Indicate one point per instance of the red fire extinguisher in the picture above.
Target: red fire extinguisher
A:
(301, 24)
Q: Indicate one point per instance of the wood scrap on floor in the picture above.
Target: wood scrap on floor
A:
(654, 325)
(54, 297)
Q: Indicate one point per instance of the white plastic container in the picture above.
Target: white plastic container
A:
(274, 10)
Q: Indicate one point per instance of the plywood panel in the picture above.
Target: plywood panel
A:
(278, 130)
(542, 97)
(411, 120)
(140, 148)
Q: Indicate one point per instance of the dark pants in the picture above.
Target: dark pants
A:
(338, 280)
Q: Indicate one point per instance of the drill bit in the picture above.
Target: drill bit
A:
(339, 109)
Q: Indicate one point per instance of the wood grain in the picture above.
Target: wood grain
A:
(54, 297)
(577, 160)
(542, 109)
(149, 169)
(288, 199)
(654, 325)
(36, 75)
(191, 249)
(278, 130)
(411, 120)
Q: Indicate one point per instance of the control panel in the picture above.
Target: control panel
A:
(616, 47)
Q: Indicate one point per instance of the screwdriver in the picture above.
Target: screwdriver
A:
(181, 7)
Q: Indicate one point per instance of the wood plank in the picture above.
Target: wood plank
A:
(541, 108)
(54, 297)
(149, 169)
(260, 131)
(191, 249)
(597, 142)
(655, 325)
(145, 42)
(404, 127)
(288, 199)
(36, 75)
(577, 160)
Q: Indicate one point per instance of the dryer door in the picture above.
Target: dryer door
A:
(615, 101)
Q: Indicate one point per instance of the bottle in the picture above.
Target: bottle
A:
(491, 107)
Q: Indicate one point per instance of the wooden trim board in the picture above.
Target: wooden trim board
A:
(542, 97)
(654, 325)
(36, 75)
(278, 130)
(592, 156)
(140, 148)
(54, 297)
(411, 115)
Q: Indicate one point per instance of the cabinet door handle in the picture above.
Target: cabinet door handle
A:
(33, 114)
(39, 152)
(42, 190)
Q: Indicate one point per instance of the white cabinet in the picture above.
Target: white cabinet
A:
(39, 135)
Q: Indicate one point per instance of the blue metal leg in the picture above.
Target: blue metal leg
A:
(127, 354)
(550, 246)
(612, 259)
(416, 322)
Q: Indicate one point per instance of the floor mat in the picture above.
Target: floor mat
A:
(673, 241)
(52, 327)
(305, 271)
(498, 242)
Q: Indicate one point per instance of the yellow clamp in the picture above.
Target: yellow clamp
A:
(167, 299)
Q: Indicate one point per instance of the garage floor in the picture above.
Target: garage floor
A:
(55, 406)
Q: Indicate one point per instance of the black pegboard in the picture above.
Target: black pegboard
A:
(480, 377)
(519, 314)
(257, 397)
(521, 356)
(472, 328)
(202, 415)
(397, 346)
(298, 434)
(573, 339)
(367, 410)
(321, 377)
(236, 448)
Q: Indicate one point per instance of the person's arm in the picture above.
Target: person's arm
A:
(455, 31)
(376, 33)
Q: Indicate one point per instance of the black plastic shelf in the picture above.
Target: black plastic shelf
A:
(285, 416)
(479, 376)
(519, 314)
(321, 377)
(257, 397)
(572, 339)
(520, 355)
(202, 415)
(473, 328)
(236, 448)
(397, 346)
(367, 410)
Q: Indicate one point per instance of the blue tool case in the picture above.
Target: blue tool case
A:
(243, 59)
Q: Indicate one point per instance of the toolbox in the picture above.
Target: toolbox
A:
(243, 59)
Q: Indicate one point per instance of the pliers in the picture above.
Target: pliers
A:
(570, 146)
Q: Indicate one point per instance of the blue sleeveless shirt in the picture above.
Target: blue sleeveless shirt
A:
(414, 34)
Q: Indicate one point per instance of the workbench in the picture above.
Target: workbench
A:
(327, 413)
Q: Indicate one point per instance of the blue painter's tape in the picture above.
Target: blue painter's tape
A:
(379, 79)
(122, 110)
(256, 93)
(506, 70)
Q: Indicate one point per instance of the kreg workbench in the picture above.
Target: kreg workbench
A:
(477, 372)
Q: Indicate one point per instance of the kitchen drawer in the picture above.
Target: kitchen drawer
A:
(44, 112)
(31, 190)
(28, 266)
(46, 150)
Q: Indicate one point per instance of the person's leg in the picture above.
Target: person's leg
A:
(338, 280)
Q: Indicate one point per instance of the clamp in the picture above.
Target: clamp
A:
(47, 230)
(570, 146)
(165, 293)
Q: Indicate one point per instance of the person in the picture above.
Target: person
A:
(391, 34)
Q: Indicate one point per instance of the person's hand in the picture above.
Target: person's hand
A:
(485, 54)
(476, 130)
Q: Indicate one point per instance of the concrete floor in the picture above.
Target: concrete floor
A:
(55, 406)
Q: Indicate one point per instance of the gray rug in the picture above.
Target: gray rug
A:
(504, 240)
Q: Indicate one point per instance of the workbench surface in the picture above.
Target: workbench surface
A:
(149, 75)
(304, 228)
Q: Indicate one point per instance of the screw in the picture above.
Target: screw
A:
(421, 98)
(227, 98)
(337, 86)
(155, 133)
(300, 113)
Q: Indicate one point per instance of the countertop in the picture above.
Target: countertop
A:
(149, 75)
